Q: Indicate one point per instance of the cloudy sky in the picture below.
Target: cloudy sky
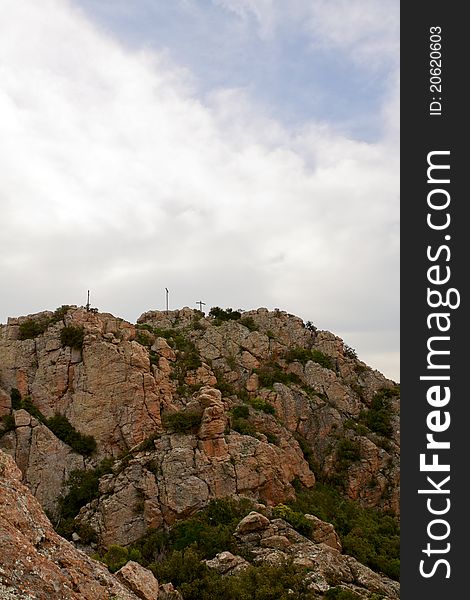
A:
(239, 152)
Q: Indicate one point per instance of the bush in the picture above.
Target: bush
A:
(8, 424)
(348, 451)
(244, 427)
(143, 338)
(65, 431)
(249, 323)
(379, 417)
(60, 313)
(367, 534)
(72, 336)
(323, 359)
(260, 404)
(241, 411)
(228, 314)
(115, 558)
(303, 355)
(310, 327)
(349, 352)
(32, 328)
(15, 397)
(183, 421)
(83, 487)
(272, 373)
(297, 519)
(27, 404)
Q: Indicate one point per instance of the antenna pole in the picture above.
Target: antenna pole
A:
(88, 302)
(167, 303)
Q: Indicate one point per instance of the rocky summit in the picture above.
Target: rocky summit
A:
(123, 431)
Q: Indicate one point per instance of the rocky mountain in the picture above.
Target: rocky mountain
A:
(119, 429)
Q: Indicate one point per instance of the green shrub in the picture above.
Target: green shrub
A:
(249, 323)
(272, 438)
(8, 424)
(306, 451)
(65, 431)
(303, 355)
(272, 373)
(15, 397)
(348, 451)
(260, 404)
(149, 442)
(60, 313)
(349, 352)
(297, 519)
(83, 487)
(244, 427)
(310, 326)
(116, 557)
(27, 404)
(228, 314)
(323, 359)
(32, 328)
(379, 416)
(72, 336)
(183, 421)
(369, 535)
(241, 411)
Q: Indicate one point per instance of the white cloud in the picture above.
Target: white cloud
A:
(117, 178)
(366, 28)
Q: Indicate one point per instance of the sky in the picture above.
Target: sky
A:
(239, 152)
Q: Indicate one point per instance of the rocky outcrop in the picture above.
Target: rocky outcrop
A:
(36, 562)
(183, 472)
(276, 399)
(276, 542)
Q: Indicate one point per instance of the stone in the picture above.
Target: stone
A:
(139, 580)
(168, 592)
(226, 563)
(254, 521)
(324, 533)
(5, 403)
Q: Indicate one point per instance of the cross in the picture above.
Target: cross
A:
(201, 304)
(167, 292)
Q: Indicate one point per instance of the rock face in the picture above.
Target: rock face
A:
(192, 408)
(36, 562)
(182, 473)
(276, 542)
